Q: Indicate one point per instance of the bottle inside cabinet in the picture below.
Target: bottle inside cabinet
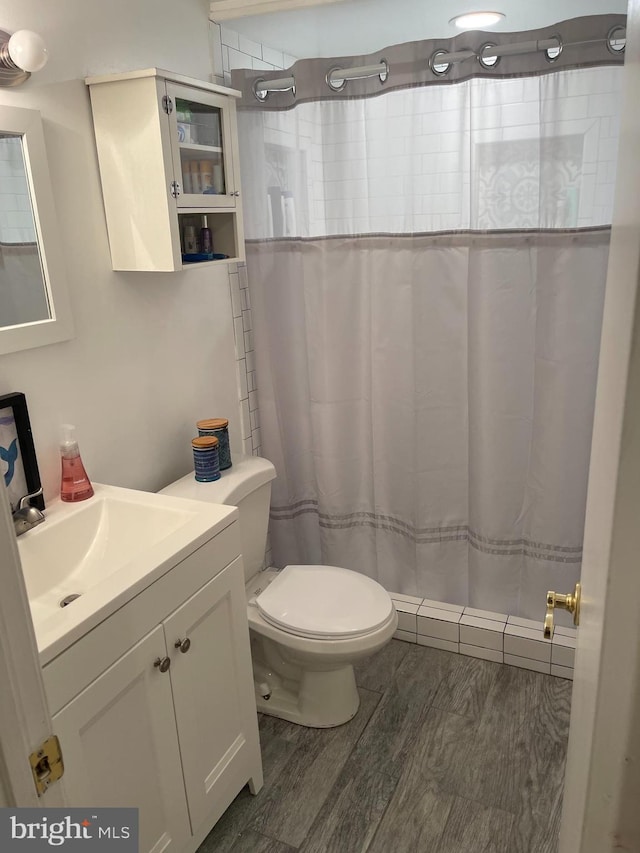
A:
(201, 152)
(207, 236)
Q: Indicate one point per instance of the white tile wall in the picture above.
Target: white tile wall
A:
(489, 637)
(231, 50)
(439, 605)
(526, 643)
(479, 652)
(421, 160)
(435, 643)
(407, 617)
(485, 614)
(411, 599)
(523, 623)
(406, 636)
(439, 623)
(527, 663)
(562, 671)
(483, 634)
(245, 358)
(564, 651)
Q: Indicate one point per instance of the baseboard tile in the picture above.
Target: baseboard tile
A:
(484, 634)
(405, 636)
(406, 621)
(527, 663)
(436, 643)
(562, 671)
(480, 652)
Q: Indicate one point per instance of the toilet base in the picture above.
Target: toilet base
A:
(319, 700)
(308, 681)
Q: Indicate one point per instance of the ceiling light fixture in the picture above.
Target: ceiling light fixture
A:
(475, 20)
(20, 55)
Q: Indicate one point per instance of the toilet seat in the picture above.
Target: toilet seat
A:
(324, 603)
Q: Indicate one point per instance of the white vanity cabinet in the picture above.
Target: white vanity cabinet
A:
(170, 726)
(120, 747)
(212, 695)
(168, 156)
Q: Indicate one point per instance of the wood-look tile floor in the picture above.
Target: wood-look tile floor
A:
(447, 754)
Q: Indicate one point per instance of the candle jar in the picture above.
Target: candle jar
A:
(218, 427)
(206, 460)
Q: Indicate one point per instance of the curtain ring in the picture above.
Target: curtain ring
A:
(335, 87)
(260, 96)
(550, 54)
(383, 76)
(485, 61)
(439, 68)
(617, 35)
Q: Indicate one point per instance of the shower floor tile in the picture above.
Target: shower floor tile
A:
(448, 754)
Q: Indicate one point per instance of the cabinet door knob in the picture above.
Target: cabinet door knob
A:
(183, 645)
(162, 664)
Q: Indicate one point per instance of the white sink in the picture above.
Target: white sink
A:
(105, 550)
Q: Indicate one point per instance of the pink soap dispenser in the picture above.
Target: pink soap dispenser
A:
(75, 485)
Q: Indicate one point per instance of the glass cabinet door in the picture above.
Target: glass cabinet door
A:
(201, 146)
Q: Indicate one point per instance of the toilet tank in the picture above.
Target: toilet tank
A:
(247, 485)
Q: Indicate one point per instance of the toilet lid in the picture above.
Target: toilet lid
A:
(324, 602)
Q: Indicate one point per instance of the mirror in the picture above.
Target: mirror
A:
(34, 307)
(23, 292)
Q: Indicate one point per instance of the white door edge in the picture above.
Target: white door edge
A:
(24, 714)
(603, 773)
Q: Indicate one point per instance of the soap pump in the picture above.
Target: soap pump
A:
(75, 485)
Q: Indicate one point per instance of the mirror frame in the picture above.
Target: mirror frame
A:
(59, 327)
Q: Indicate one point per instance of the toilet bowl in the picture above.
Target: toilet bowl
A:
(308, 624)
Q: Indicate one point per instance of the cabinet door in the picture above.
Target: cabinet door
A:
(120, 746)
(213, 695)
(201, 147)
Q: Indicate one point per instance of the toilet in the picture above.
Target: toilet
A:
(308, 624)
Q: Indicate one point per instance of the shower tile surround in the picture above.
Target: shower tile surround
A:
(481, 634)
(452, 184)
(246, 368)
(245, 359)
(231, 50)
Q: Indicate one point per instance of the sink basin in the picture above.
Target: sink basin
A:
(88, 558)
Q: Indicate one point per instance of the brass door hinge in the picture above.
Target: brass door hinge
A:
(46, 764)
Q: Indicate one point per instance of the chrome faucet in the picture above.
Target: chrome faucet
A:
(27, 516)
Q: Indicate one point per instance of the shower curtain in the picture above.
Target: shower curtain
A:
(427, 267)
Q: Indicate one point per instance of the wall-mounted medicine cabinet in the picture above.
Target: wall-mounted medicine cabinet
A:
(168, 154)
(34, 304)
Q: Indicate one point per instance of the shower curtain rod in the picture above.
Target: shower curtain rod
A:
(337, 78)
(490, 50)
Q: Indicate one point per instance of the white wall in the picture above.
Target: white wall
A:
(153, 352)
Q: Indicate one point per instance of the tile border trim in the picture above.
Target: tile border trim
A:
(498, 637)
